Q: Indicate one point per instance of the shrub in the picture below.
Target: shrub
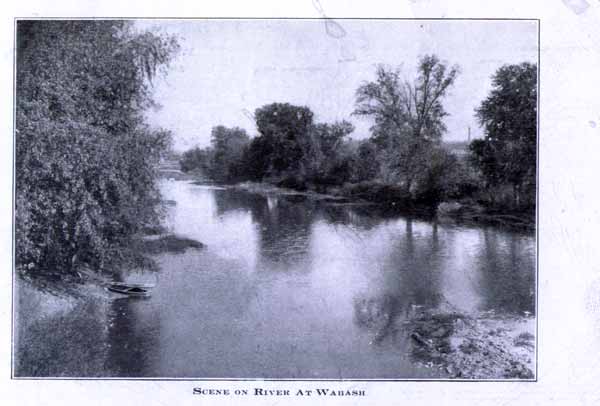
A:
(85, 160)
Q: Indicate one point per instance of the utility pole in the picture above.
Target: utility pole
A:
(469, 139)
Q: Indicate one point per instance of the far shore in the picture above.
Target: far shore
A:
(459, 212)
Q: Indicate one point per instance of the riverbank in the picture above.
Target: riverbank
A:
(392, 200)
(484, 346)
(470, 212)
(137, 257)
(78, 306)
(269, 189)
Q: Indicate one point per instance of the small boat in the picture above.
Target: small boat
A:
(132, 285)
(129, 290)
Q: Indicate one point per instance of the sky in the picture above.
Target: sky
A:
(226, 69)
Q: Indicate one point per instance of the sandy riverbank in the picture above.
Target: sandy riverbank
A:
(482, 346)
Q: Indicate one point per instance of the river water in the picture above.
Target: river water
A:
(287, 287)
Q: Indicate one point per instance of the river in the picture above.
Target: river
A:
(287, 287)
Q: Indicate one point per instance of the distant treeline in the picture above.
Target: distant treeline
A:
(404, 161)
(85, 160)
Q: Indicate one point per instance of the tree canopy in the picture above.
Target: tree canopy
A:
(228, 146)
(508, 115)
(85, 159)
(404, 161)
(285, 127)
(408, 116)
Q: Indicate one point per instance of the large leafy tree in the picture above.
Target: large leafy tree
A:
(85, 160)
(408, 116)
(228, 146)
(196, 158)
(329, 137)
(324, 153)
(284, 129)
(507, 154)
(365, 162)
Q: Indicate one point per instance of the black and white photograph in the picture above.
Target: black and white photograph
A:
(276, 199)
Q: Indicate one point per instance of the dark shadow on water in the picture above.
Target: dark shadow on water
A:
(411, 283)
(95, 338)
(68, 344)
(508, 275)
(133, 339)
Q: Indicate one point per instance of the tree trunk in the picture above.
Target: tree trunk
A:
(408, 186)
(517, 195)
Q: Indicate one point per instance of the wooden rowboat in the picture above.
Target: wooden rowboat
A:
(129, 290)
(132, 285)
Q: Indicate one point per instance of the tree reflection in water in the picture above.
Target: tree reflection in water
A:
(133, 337)
(69, 343)
(283, 225)
(506, 267)
(288, 286)
(411, 282)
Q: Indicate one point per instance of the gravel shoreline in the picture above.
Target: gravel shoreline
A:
(482, 346)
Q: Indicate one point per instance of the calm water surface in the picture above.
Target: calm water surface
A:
(287, 288)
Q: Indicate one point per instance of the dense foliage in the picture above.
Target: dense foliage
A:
(228, 146)
(404, 160)
(507, 154)
(85, 160)
(195, 159)
(223, 160)
(290, 148)
(403, 152)
(408, 122)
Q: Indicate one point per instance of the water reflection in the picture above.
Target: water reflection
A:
(283, 224)
(132, 332)
(290, 287)
(411, 281)
(65, 343)
(501, 262)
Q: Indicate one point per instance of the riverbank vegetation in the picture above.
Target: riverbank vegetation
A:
(404, 162)
(85, 159)
(167, 243)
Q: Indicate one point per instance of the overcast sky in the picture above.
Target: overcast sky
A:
(228, 68)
